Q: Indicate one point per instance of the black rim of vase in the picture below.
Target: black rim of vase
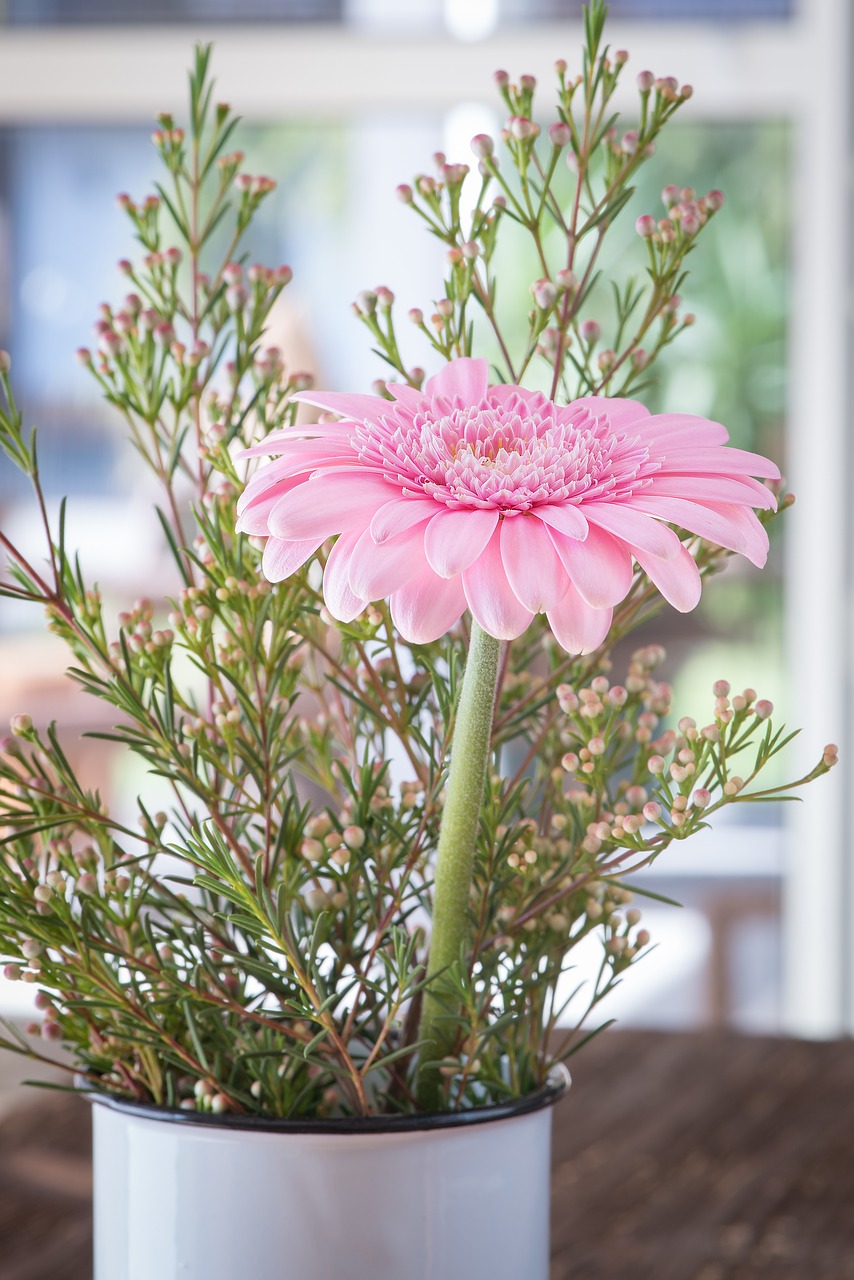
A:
(551, 1092)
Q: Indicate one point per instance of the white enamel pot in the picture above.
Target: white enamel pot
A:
(183, 1196)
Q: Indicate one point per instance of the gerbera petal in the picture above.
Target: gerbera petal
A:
(333, 504)
(399, 515)
(254, 518)
(466, 378)
(533, 567)
(678, 579)
(409, 397)
(567, 519)
(600, 567)
(292, 442)
(493, 602)
(684, 429)
(506, 394)
(264, 480)
(721, 461)
(633, 526)
(427, 606)
(281, 559)
(375, 572)
(341, 601)
(348, 404)
(619, 412)
(744, 490)
(577, 627)
(718, 523)
(455, 539)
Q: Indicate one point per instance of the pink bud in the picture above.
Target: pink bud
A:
(282, 276)
(721, 688)
(629, 142)
(645, 81)
(164, 333)
(545, 294)
(560, 134)
(502, 79)
(714, 201)
(232, 273)
(236, 296)
(645, 226)
(83, 356)
(482, 145)
(366, 302)
(522, 128)
(701, 797)
(671, 195)
(763, 709)
(590, 331)
(652, 811)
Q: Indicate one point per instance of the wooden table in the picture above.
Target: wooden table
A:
(676, 1157)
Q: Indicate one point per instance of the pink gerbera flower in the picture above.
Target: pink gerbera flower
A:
(497, 500)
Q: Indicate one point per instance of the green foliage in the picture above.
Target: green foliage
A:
(259, 944)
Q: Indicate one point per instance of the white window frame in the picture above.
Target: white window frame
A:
(795, 69)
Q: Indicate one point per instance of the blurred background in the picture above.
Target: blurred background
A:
(342, 100)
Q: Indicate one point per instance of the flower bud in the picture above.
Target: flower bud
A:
(366, 301)
(545, 294)
(645, 225)
(5, 361)
(560, 134)
(21, 725)
(646, 80)
(522, 128)
(483, 146)
(590, 331)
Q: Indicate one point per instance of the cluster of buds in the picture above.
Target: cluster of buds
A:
(686, 214)
(140, 636)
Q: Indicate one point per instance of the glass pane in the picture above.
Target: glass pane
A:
(699, 10)
(31, 13)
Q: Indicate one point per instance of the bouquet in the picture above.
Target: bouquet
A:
(406, 781)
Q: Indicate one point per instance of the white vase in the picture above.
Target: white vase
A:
(180, 1196)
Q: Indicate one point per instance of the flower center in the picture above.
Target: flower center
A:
(504, 453)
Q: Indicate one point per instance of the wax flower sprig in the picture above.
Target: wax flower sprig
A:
(528, 202)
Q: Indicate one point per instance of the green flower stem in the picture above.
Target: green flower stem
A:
(455, 863)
